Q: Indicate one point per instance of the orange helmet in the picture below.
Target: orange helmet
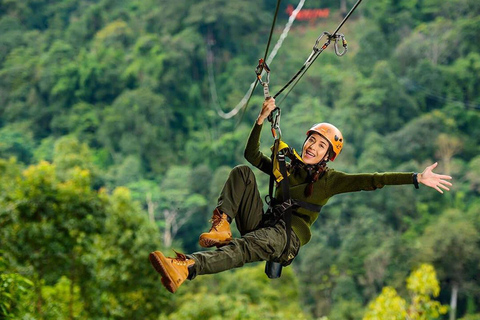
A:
(332, 134)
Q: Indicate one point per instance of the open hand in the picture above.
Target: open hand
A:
(434, 180)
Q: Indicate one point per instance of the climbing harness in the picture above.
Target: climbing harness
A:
(282, 210)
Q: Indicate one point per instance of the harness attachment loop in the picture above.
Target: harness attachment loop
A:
(339, 36)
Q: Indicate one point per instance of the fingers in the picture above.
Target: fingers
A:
(444, 187)
(442, 176)
(269, 103)
(268, 106)
(442, 184)
(430, 167)
(445, 182)
(438, 189)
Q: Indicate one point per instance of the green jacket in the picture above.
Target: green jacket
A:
(331, 183)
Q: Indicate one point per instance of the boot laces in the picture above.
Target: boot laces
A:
(216, 220)
(180, 259)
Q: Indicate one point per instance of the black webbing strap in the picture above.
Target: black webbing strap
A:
(287, 214)
(270, 198)
(293, 203)
(274, 269)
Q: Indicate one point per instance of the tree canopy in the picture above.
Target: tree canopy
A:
(111, 146)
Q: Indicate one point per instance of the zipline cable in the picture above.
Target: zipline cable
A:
(254, 85)
(243, 103)
(316, 52)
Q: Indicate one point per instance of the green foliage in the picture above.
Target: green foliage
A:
(245, 293)
(63, 300)
(137, 124)
(16, 141)
(14, 291)
(96, 96)
(451, 242)
(422, 285)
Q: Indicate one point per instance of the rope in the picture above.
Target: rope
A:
(314, 55)
(243, 103)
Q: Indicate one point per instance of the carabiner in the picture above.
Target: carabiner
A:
(315, 47)
(316, 51)
(344, 43)
(262, 66)
(275, 120)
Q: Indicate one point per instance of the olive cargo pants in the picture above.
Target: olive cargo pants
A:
(240, 200)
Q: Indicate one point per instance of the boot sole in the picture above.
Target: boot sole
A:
(208, 243)
(157, 259)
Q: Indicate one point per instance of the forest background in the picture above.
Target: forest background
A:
(111, 147)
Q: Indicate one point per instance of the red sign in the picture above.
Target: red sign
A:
(309, 14)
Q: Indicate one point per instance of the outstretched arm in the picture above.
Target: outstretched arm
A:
(434, 180)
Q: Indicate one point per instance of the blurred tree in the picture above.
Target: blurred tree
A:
(137, 123)
(83, 121)
(245, 293)
(17, 141)
(11, 29)
(100, 74)
(63, 301)
(176, 204)
(116, 33)
(19, 94)
(422, 285)
(448, 146)
(461, 84)
(58, 77)
(451, 244)
(229, 24)
(57, 218)
(125, 286)
(416, 140)
(384, 104)
(146, 63)
(473, 174)
(85, 22)
(15, 291)
(429, 41)
(452, 9)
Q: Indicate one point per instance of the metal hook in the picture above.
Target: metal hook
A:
(344, 43)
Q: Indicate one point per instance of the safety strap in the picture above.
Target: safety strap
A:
(293, 203)
(287, 214)
(273, 269)
(282, 210)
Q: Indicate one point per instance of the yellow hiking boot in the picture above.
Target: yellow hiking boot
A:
(174, 271)
(220, 234)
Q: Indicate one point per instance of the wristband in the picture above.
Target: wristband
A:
(415, 180)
